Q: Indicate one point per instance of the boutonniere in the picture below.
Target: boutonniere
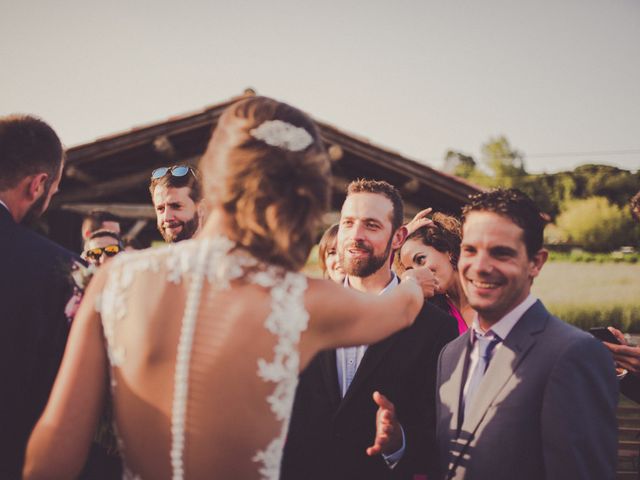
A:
(81, 275)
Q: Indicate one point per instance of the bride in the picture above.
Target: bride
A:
(201, 342)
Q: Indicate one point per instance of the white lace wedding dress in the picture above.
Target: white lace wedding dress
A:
(203, 345)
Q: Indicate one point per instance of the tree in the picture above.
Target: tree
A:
(459, 164)
(464, 166)
(596, 224)
(505, 163)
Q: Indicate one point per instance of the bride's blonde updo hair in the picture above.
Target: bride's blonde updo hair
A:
(266, 166)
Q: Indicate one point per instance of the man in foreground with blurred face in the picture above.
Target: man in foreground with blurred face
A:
(35, 282)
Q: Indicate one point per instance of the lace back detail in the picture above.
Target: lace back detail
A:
(288, 319)
(183, 359)
(218, 262)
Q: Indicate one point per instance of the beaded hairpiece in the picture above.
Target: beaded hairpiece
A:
(282, 135)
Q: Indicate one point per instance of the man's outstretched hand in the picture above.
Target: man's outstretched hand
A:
(388, 432)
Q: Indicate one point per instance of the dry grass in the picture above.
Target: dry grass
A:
(590, 294)
(588, 283)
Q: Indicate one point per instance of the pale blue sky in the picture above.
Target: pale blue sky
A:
(417, 76)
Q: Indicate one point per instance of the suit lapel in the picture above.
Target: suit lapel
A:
(5, 215)
(372, 357)
(330, 375)
(504, 364)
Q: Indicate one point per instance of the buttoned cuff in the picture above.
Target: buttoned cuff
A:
(393, 459)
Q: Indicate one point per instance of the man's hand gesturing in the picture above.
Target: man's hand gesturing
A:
(388, 431)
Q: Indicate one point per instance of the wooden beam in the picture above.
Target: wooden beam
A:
(455, 188)
(123, 210)
(101, 190)
(410, 187)
(116, 144)
(335, 152)
(73, 172)
(339, 184)
(162, 144)
(112, 187)
(136, 228)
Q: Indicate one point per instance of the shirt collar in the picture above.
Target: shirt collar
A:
(394, 282)
(5, 206)
(503, 326)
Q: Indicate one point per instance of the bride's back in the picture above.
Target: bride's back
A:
(239, 388)
(266, 180)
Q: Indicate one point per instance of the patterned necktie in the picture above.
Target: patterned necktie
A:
(485, 349)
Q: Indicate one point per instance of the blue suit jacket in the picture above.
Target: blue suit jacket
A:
(546, 408)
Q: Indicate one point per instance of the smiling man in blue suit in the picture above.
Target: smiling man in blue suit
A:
(522, 394)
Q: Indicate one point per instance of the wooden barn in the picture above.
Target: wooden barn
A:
(112, 173)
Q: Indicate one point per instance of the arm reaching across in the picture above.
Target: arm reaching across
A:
(342, 316)
(61, 439)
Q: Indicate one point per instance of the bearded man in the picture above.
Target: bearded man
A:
(331, 423)
(177, 200)
(35, 283)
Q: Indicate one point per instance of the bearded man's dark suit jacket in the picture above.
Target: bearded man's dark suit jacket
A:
(545, 409)
(328, 435)
(34, 289)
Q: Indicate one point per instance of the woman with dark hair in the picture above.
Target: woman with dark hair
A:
(328, 255)
(435, 243)
(203, 340)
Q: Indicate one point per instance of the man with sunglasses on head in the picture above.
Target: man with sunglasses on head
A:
(101, 246)
(177, 199)
(35, 283)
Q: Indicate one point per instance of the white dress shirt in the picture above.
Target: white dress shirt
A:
(348, 360)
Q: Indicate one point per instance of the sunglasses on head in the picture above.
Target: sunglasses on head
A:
(175, 171)
(109, 251)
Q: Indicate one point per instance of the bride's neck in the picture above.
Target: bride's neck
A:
(217, 224)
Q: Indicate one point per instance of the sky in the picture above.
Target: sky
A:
(560, 79)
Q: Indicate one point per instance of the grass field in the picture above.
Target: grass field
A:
(588, 294)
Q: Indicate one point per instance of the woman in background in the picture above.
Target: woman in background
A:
(435, 243)
(328, 255)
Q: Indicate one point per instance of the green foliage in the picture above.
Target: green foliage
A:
(596, 224)
(577, 256)
(459, 164)
(464, 166)
(505, 163)
(604, 181)
(505, 167)
(591, 294)
(624, 317)
(589, 203)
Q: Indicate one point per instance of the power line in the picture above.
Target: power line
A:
(594, 153)
(559, 155)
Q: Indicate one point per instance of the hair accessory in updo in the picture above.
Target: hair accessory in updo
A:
(282, 135)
